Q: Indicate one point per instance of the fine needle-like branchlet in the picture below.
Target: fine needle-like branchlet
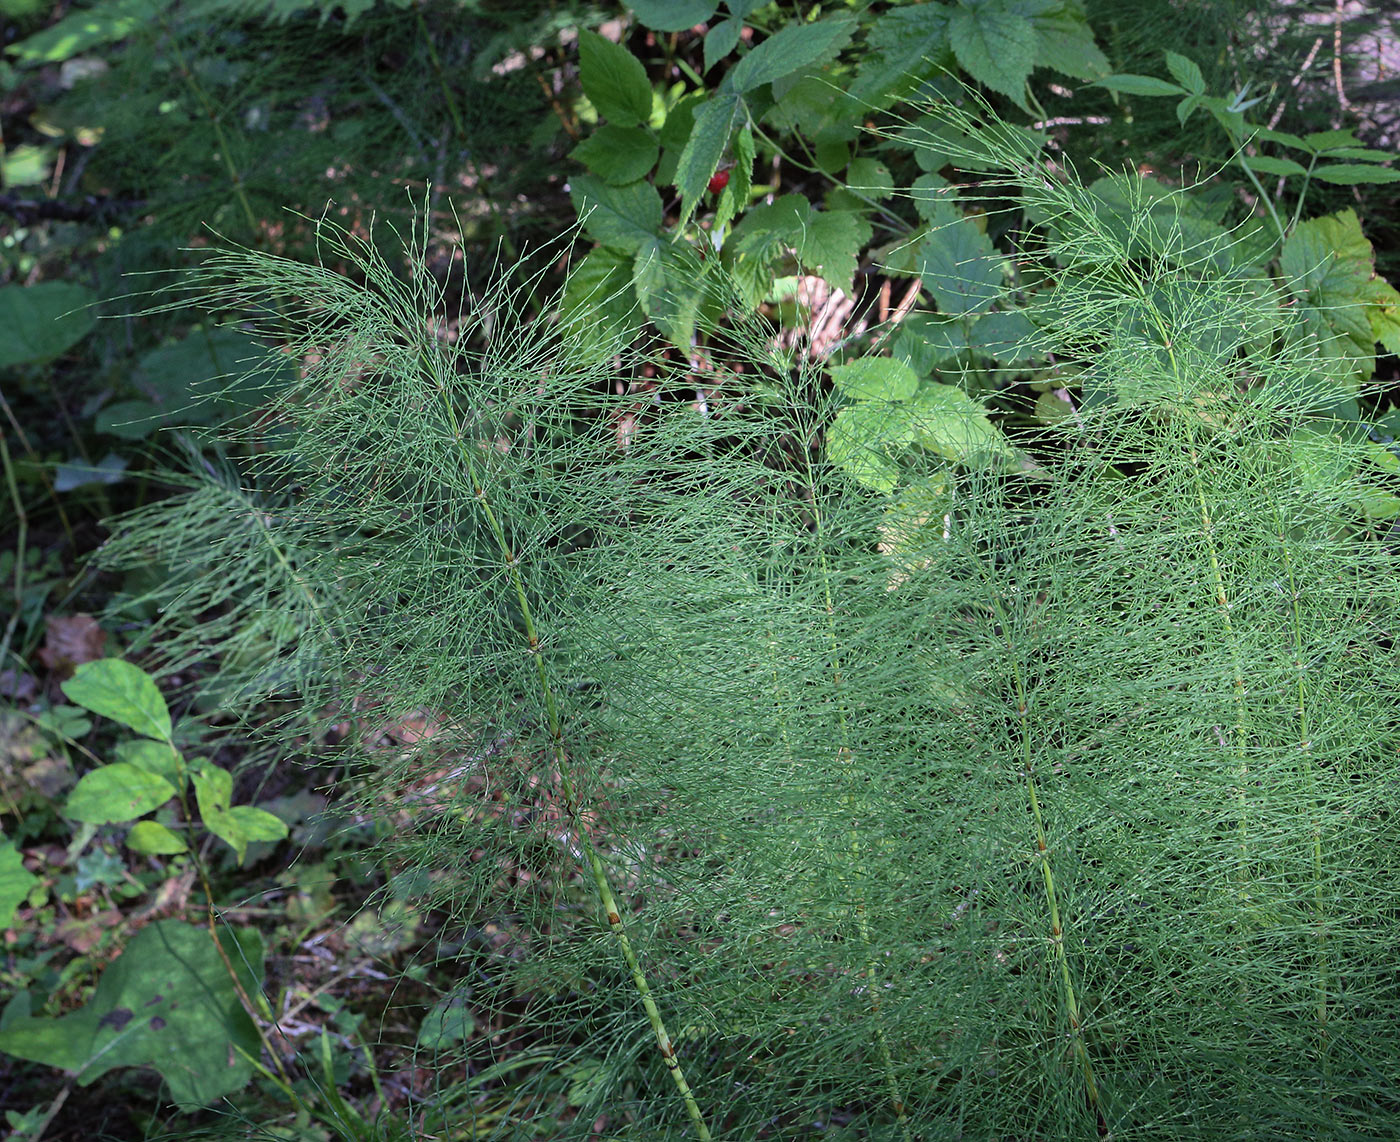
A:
(1047, 795)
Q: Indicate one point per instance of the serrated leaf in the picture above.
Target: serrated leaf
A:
(863, 439)
(1328, 140)
(934, 198)
(960, 267)
(154, 839)
(1066, 43)
(827, 241)
(1350, 174)
(1007, 337)
(1329, 265)
(875, 379)
(599, 311)
(870, 177)
(704, 149)
(618, 155)
(722, 39)
(1186, 72)
(904, 46)
(1140, 85)
(950, 423)
(116, 793)
(39, 322)
(623, 217)
(125, 693)
(1283, 138)
(734, 199)
(1364, 154)
(1268, 165)
(1187, 107)
(614, 80)
(996, 43)
(672, 15)
(926, 341)
(670, 289)
(787, 51)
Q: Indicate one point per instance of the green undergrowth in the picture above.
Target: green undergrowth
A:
(1040, 788)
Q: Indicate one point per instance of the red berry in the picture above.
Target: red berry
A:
(718, 181)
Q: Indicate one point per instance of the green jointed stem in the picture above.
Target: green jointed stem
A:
(1042, 856)
(843, 753)
(560, 756)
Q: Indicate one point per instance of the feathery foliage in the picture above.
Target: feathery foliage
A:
(1044, 796)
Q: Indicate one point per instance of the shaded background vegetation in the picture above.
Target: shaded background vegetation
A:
(129, 152)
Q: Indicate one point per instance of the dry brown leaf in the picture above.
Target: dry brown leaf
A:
(70, 641)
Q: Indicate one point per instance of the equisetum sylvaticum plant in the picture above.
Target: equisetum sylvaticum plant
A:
(930, 777)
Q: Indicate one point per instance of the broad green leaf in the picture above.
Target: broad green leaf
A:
(39, 322)
(614, 80)
(671, 290)
(599, 311)
(116, 793)
(864, 438)
(449, 1021)
(244, 824)
(904, 46)
(125, 693)
(213, 790)
(870, 177)
(704, 149)
(16, 881)
(129, 419)
(236, 825)
(673, 15)
(83, 29)
(823, 240)
(1052, 407)
(1186, 72)
(618, 155)
(1140, 85)
(154, 839)
(722, 39)
(1329, 267)
(1007, 337)
(1330, 140)
(1283, 138)
(933, 197)
(622, 217)
(787, 51)
(1350, 174)
(1066, 42)
(949, 422)
(927, 341)
(996, 43)
(157, 757)
(960, 267)
(1187, 107)
(734, 199)
(166, 1002)
(1363, 154)
(875, 379)
(1264, 164)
